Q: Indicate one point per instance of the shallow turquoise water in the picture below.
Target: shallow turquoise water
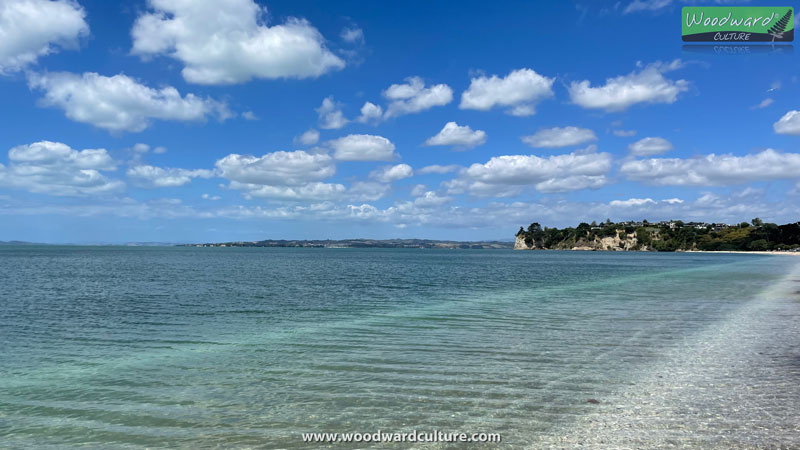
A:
(236, 347)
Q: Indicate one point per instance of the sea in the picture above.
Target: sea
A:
(182, 347)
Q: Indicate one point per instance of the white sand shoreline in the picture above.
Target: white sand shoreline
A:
(771, 252)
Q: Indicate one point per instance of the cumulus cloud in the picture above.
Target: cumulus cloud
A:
(412, 96)
(362, 147)
(650, 146)
(56, 169)
(353, 35)
(431, 199)
(387, 174)
(370, 112)
(433, 211)
(289, 176)
(458, 136)
(519, 92)
(277, 168)
(714, 170)
(330, 115)
(228, 41)
(624, 133)
(788, 124)
(156, 177)
(440, 169)
(560, 137)
(249, 115)
(648, 85)
(505, 175)
(310, 137)
(30, 29)
(632, 202)
(120, 103)
(316, 191)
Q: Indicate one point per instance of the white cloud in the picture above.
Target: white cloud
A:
(54, 168)
(505, 175)
(228, 41)
(120, 103)
(714, 170)
(330, 115)
(413, 96)
(150, 176)
(731, 207)
(650, 146)
(520, 91)
(276, 169)
(624, 133)
(33, 28)
(310, 137)
(436, 168)
(418, 190)
(572, 183)
(249, 115)
(352, 35)
(632, 202)
(387, 174)
(764, 103)
(619, 93)
(560, 137)
(646, 5)
(458, 136)
(362, 147)
(211, 197)
(316, 191)
(788, 124)
(431, 199)
(370, 112)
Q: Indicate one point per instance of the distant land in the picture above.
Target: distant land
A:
(364, 243)
(665, 236)
(95, 244)
(16, 243)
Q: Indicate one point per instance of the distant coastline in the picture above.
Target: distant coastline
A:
(666, 236)
(364, 243)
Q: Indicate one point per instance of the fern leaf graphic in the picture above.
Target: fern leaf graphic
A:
(780, 26)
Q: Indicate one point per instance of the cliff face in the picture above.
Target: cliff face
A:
(611, 243)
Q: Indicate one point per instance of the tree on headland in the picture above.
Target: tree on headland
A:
(668, 236)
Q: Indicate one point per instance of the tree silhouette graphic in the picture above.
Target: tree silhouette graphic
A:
(780, 26)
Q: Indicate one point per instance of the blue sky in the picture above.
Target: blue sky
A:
(198, 121)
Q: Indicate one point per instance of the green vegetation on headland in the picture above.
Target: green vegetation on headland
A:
(667, 236)
(365, 243)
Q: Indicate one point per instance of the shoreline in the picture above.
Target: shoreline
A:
(755, 252)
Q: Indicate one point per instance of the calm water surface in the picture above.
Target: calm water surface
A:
(113, 347)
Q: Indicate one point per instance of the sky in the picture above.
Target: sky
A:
(241, 120)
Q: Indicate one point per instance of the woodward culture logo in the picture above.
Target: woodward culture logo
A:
(737, 24)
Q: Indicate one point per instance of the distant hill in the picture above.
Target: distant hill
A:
(364, 243)
(666, 236)
(16, 243)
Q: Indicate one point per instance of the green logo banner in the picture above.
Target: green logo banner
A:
(737, 24)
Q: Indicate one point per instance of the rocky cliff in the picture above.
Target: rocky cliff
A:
(611, 243)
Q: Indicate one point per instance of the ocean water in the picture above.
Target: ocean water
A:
(114, 347)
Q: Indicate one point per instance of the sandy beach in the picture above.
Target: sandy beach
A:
(773, 252)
